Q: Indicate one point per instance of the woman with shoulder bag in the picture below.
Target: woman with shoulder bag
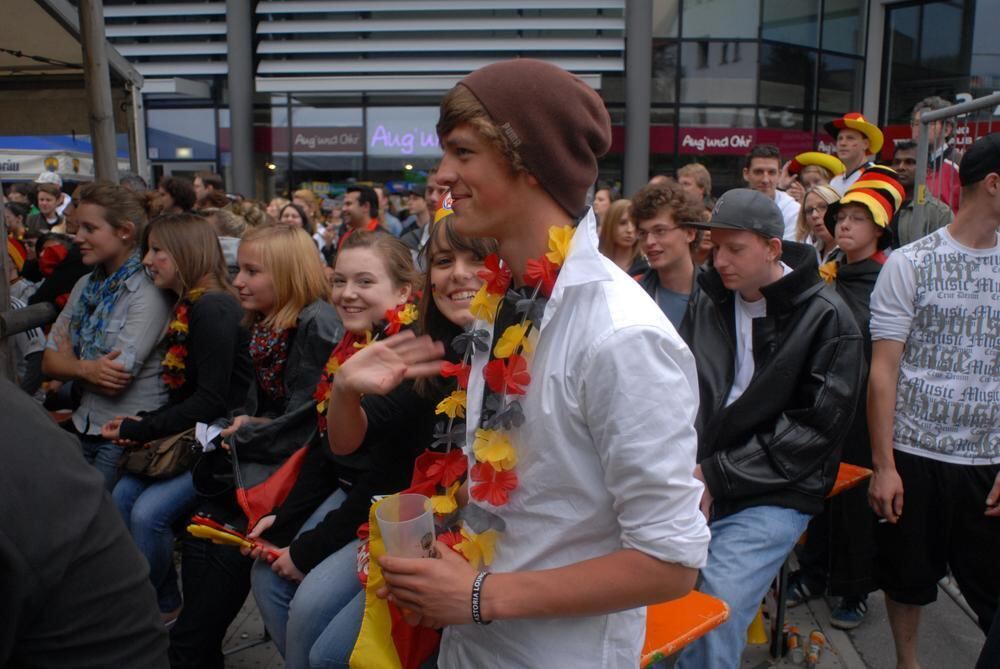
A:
(207, 373)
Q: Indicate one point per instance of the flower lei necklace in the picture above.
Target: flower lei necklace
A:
(177, 336)
(507, 378)
(828, 270)
(395, 319)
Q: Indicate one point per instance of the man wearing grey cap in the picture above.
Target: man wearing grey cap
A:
(780, 362)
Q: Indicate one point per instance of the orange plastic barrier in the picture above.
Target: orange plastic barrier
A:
(848, 476)
(672, 625)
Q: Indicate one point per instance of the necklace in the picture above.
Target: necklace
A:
(394, 320)
(174, 361)
(507, 377)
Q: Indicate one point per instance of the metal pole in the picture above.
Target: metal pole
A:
(137, 135)
(923, 148)
(239, 37)
(920, 180)
(638, 78)
(6, 359)
(98, 83)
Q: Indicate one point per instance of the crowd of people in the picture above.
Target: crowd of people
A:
(609, 404)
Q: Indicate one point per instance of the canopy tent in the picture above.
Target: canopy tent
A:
(41, 78)
(25, 157)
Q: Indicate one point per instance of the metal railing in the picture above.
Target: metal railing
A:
(974, 119)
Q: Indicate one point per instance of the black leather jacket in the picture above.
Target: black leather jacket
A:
(779, 443)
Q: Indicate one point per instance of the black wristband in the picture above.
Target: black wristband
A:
(477, 587)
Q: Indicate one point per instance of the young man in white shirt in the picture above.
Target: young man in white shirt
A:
(779, 360)
(858, 142)
(762, 173)
(604, 518)
(933, 393)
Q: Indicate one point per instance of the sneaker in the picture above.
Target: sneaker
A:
(850, 613)
(798, 590)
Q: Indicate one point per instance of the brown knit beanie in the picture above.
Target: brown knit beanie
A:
(557, 123)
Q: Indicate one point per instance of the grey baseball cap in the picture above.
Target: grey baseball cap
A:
(746, 209)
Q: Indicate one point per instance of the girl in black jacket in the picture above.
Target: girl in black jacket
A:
(316, 623)
(207, 373)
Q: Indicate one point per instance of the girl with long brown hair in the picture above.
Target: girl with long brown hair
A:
(207, 374)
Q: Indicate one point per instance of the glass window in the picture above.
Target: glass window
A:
(941, 46)
(719, 72)
(794, 22)
(840, 82)
(665, 15)
(720, 19)
(717, 117)
(904, 35)
(181, 134)
(664, 84)
(985, 66)
(844, 24)
(787, 76)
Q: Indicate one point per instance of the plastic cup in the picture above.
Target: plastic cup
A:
(406, 522)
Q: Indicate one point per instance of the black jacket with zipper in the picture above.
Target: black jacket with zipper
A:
(779, 443)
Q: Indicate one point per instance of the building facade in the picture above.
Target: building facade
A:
(347, 89)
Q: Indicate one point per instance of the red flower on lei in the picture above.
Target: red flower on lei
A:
(508, 376)
(496, 276)
(459, 370)
(491, 485)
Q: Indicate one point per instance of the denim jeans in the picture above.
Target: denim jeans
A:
(104, 455)
(150, 510)
(299, 615)
(745, 553)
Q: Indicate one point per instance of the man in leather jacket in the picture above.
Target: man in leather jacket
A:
(780, 364)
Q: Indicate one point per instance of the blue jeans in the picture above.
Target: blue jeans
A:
(299, 616)
(104, 455)
(150, 510)
(745, 553)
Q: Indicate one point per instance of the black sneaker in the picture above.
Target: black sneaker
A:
(850, 613)
(798, 590)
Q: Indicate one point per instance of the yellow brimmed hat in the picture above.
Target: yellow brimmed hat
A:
(829, 163)
(878, 190)
(855, 121)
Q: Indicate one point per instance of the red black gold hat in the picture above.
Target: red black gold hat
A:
(877, 190)
(855, 121)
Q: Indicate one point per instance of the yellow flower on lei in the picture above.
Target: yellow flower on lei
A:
(828, 271)
(454, 405)
(478, 549)
(512, 339)
(484, 305)
(179, 326)
(408, 314)
(171, 360)
(446, 503)
(332, 366)
(495, 448)
(559, 240)
(369, 338)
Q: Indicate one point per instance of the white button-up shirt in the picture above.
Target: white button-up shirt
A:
(605, 462)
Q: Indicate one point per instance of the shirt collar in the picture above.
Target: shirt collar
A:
(584, 263)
